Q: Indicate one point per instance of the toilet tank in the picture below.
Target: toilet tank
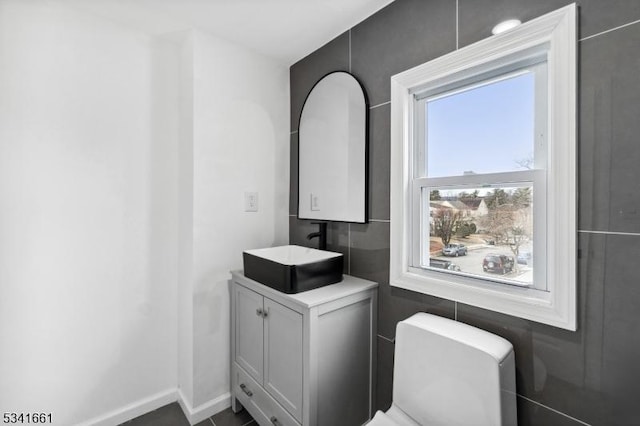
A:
(449, 373)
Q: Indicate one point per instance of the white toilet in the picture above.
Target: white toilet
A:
(447, 373)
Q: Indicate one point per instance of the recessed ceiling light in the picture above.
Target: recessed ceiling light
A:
(505, 25)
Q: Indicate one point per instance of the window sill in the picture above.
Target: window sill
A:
(523, 302)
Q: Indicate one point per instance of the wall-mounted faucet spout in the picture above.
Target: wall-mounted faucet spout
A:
(321, 234)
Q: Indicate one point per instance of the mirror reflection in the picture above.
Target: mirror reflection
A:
(332, 150)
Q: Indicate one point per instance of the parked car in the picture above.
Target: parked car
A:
(454, 250)
(525, 258)
(498, 263)
(443, 264)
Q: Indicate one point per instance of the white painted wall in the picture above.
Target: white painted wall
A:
(124, 159)
(185, 239)
(234, 121)
(241, 143)
(88, 214)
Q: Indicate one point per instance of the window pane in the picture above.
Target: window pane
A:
(485, 129)
(480, 232)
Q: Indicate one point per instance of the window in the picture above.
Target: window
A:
(480, 149)
(483, 173)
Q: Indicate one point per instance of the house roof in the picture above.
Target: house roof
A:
(458, 205)
(473, 203)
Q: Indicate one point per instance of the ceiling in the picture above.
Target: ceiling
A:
(286, 30)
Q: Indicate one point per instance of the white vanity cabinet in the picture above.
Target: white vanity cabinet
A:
(306, 358)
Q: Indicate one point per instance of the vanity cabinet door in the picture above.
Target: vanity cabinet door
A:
(304, 359)
(283, 356)
(249, 338)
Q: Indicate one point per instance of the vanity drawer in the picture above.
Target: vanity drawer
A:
(264, 409)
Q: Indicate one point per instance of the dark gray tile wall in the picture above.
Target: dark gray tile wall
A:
(293, 175)
(591, 376)
(384, 376)
(400, 36)
(478, 17)
(610, 154)
(333, 56)
(379, 167)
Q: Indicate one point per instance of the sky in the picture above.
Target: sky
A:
(484, 130)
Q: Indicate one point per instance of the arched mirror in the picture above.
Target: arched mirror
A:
(333, 151)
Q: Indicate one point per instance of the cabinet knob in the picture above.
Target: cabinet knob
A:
(244, 389)
(260, 312)
(275, 421)
(265, 313)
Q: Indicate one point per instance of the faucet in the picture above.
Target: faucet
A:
(321, 234)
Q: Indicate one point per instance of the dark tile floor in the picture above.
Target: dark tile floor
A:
(172, 415)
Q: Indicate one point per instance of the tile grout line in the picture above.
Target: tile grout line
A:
(379, 105)
(212, 422)
(249, 422)
(457, 26)
(455, 310)
(609, 30)
(349, 50)
(386, 338)
(629, 234)
(349, 249)
(370, 220)
(554, 410)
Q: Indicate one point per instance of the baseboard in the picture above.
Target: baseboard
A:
(133, 410)
(203, 411)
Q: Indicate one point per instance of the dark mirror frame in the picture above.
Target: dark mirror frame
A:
(366, 152)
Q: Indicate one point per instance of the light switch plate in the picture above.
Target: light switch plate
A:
(250, 201)
(315, 204)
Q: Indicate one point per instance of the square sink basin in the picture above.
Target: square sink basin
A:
(293, 269)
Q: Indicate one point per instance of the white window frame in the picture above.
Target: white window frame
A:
(534, 62)
(553, 34)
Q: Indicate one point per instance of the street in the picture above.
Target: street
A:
(472, 264)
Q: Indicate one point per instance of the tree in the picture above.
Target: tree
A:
(495, 222)
(521, 197)
(498, 198)
(510, 225)
(516, 237)
(465, 229)
(465, 196)
(435, 195)
(526, 163)
(445, 223)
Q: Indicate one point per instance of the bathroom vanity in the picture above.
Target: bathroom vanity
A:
(307, 358)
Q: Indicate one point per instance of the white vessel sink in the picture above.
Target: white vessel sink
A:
(293, 269)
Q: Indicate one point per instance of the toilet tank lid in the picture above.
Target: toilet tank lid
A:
(495, 346)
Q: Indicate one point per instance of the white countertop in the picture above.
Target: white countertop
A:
(348, 286)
